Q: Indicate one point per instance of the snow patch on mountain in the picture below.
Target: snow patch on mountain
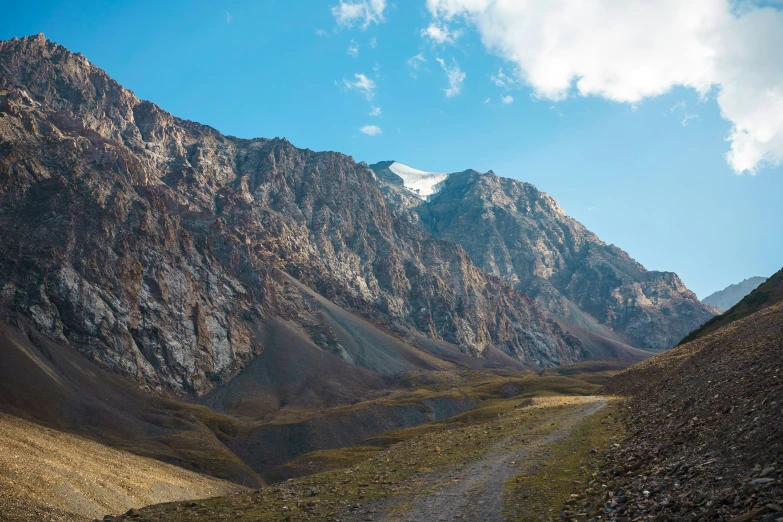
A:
(423, 184)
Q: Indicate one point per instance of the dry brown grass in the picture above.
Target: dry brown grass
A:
(50, 475)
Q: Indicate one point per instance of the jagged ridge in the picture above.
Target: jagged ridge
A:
(161, 248)
(518, 233)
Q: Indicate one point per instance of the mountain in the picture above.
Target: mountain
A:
(165, 251)
(417, 182)
(513, 231)
(705, 440)
(724, 299)
(766, 294)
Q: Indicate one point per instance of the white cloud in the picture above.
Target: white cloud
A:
(371, 130)
(353, 49)
(486, 101)
(507, 99)
(321, 32)
(635, 49)
(417, 63)
(440, 34)
(373, 42)
(455, 76)
(228, 17)
(375, 111)
(364, 12)
(362, 84)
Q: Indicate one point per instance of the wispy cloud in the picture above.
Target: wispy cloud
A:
(371, 130)
(679, 105)
(440, 34)
(228, 17)
(353, 49)
(454, 75)
(501, 79)
(507, 99)
(361, 83)
(486, 101)
(373, 42)
(689, 117)
(363, 13)
(375, 111)
(416, 63)
(321, 32)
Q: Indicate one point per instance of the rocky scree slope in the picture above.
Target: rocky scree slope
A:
(705, 433)
(733, 294)
(161, 248)
(518, 233)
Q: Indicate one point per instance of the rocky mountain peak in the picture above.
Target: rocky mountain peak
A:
(418, 182)
(515, 231)
(176, 256)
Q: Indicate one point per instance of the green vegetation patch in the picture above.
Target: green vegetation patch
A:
(563, 476)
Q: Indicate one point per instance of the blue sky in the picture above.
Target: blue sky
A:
(637, 173)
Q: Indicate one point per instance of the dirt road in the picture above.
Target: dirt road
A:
(475, 490)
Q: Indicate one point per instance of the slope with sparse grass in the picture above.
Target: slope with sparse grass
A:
(54, 476)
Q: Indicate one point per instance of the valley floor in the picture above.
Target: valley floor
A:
(476, 490)
(510, 459)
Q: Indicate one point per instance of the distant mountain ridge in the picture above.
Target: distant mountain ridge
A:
(733, 294)
(512, 230)
(768, 293)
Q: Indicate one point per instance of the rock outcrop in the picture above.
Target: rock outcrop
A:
(518, 233)
(161, 248)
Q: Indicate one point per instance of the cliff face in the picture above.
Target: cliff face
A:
(514, 231)
(159, 247)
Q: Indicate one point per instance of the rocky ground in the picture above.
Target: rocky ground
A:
(705, 432)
